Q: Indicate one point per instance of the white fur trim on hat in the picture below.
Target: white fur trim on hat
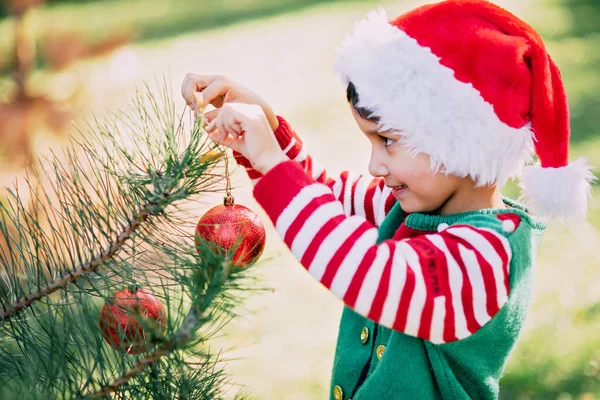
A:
(558, 193)
(405, 85)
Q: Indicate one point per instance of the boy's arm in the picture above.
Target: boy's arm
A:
(439, 287)
(360, 195)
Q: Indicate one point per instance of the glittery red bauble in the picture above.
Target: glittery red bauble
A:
(232, 226)
(118, 317)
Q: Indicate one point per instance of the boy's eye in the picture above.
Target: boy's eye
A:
(389, 141)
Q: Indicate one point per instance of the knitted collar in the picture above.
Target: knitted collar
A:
(430, 222)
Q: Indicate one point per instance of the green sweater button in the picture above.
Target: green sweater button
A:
(337, 393)
(380, 350)
(364, 335)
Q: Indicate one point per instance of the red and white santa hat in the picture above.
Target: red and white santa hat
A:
(472, 86)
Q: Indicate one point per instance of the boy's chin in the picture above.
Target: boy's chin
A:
(410, 207)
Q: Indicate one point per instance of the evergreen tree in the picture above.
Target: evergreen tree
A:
(103, 291)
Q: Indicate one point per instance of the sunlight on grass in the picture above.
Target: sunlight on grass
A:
(145, 19)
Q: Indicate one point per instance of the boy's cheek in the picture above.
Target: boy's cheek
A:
(426, 194)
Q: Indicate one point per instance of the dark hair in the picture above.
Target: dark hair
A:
(352, 97)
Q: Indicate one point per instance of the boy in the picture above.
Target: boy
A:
(433, 264)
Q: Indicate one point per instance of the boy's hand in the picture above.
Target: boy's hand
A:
(219, 90)
(244, 128)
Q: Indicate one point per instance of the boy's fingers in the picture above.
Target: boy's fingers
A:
(233, 128)
(211, 126)
(193, 83)
(188, 88)
(211, 115)
(217, 136)
(217, 88)
(234, 144)
(230, 121)
(224, 140)
(222, 128)
(238, 129)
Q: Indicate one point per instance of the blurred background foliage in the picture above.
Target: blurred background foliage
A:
(82, 55)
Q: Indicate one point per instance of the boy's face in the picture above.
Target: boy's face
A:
(413, 183)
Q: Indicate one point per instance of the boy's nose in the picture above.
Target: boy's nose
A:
(377, 168)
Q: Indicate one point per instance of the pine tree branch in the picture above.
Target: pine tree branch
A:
(177, 177)
(86, 268)
(132, 373)
(111, 218)
(193, 321)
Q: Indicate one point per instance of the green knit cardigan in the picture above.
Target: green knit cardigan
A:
(376, 363)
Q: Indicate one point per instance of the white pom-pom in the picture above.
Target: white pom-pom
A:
(558, 193)
(508, 226)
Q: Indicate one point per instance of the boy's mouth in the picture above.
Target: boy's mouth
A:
(399, 189)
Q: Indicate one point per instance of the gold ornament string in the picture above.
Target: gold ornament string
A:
(228, 200)
(228, 197)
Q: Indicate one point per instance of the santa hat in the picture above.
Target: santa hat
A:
(472, 86)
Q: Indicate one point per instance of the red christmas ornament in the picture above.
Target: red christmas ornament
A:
(230, 226)
(118, 319)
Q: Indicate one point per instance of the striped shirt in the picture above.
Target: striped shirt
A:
(438, 286)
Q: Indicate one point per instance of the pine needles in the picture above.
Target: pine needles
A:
(112, 214)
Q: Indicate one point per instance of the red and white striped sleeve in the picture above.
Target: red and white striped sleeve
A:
(360, 195)
(439, 287)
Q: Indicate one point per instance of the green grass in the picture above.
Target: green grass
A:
(146, 19)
